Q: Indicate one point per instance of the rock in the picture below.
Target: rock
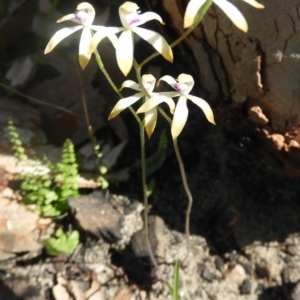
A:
(246, 287)
(257, 116)
(17, 225)
(156, 238)
(295, 294)
(207, 275)
(219, 263)
(235, 274)
(96, 214)
(293, 249)
(278, 140)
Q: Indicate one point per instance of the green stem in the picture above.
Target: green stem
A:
(103, 70)
(184, 182)
(198, 19)
(143, 161)
(85, 108)
(145, 197)
(143, 155)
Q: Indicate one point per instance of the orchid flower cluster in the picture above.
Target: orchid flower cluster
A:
(122, 39)
(131, 19)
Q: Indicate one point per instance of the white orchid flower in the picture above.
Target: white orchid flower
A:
(228, 8)
(84, 15)
(151, 115)
(131, 18)
(183, 86)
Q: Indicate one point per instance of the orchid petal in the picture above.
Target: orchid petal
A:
(155, 101)
(124, 51)
(101, 33)
(97, 27)
(168, 79)
(96, 39)
(191, 12)
(84, 45)
(254, 4)
(127, 11)
(170, 94)
(113, 38)
(130, 84)
(149, 16)
(180, 117)
(150, 121)
(124, 103)
(233, 14)
(69, 17)
(156, 40)
(86, 13)
(204, 106)
(59, 36)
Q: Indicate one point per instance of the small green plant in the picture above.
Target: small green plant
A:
(48, 191)
(18, 149)
(175, 285)
(62, 243)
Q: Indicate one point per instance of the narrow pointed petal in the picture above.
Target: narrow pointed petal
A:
(180, 117)
(254, 4)
(155, 101)
(84, 47)
(149, 16)
(191, 12)
(101, 33)
(124, 51)
(69, 17)
(150, 121)
(168, 79)
(233, 14)
(157, 41)
(204, 106)
(96, 39)
(169, 94)
(130, 84)
(124, 103)
(59, 36)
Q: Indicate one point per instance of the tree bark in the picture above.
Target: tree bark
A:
(256, 72)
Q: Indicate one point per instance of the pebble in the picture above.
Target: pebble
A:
(219, 263)
(207, 275)
(260, 288)
(248, 268)
(287, 259)
(246, 287)
(295, 294)
(235, 274)
(285, 275)
(293, 249)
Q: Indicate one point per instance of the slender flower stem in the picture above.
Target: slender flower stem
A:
(144, 177)
(143, 155)
(103, 70)
(184, 182)
(85, 109)
(145, 196)
(200, 16)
